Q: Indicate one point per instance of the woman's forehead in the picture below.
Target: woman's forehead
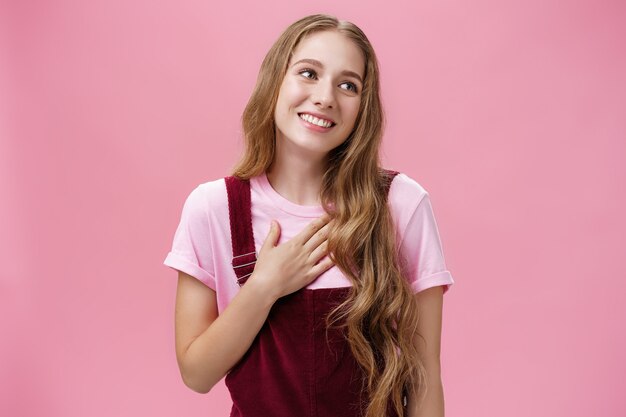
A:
(331, 49)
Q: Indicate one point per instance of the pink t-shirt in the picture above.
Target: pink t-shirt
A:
(202, 244)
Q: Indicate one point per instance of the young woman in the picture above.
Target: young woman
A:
(337, 311)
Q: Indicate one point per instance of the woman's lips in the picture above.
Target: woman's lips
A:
(314, 127)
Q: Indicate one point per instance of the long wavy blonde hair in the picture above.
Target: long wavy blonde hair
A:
(380, 313)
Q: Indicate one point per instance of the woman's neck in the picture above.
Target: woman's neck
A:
(297, 180)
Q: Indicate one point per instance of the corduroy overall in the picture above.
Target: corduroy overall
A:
(292, 369)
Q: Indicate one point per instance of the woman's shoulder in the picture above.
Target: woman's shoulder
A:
(214, 186)
(405, 189)
(211, 193)
(405, 196)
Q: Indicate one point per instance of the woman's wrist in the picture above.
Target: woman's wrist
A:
(262, 292)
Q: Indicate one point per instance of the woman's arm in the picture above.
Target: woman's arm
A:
(429, 326)
(208, 345)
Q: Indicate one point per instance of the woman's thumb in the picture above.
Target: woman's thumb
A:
(273, 234)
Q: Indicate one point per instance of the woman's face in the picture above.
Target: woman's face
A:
(319, 97)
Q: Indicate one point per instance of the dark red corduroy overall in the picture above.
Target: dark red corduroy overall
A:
(291, 369)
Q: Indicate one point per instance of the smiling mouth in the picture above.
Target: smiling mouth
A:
(316, 121)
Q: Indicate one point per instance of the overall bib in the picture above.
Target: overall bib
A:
(294, 367)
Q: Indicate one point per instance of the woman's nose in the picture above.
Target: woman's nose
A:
(324, 94)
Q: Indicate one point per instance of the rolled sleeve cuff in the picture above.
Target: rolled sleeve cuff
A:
(440, 278)
(175, 261)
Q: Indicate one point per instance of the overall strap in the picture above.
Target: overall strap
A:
(240, 217)
(388, 176)
(242, 237)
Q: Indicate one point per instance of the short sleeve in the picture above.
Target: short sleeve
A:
(421, 248)
(191, 249)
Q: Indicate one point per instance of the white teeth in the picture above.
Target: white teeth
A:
(314, 120)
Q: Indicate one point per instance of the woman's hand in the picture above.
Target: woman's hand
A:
(284, 269)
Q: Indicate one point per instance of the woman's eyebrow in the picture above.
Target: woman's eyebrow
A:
(319, 64)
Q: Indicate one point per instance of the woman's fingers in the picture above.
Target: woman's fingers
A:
(318, 238)
(319, 252)
(323, 265)
(311, 229)
(294, 264)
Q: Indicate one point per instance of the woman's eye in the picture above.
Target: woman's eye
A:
(307, 71)
(311, 74)
(349, 86)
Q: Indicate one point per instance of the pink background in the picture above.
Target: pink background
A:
(510, 113)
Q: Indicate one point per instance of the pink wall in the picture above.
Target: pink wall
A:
(511, 114)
